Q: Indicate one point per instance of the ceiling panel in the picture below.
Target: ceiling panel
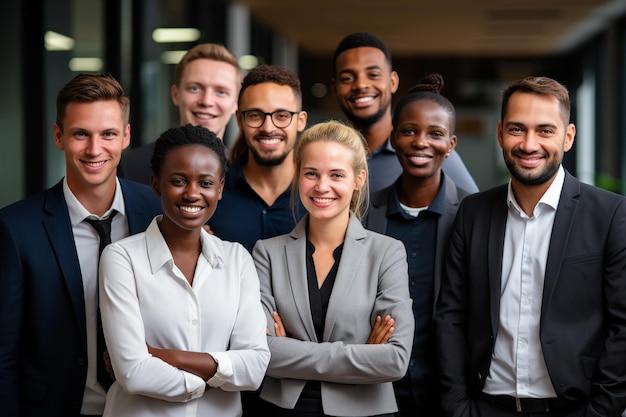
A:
(443, 27)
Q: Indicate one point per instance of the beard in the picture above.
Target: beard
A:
(367, 121)
(264, 161)
(530, 178)
(268, 159)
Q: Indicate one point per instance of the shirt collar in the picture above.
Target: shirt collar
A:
(159, 253)
(437, 205)
(78, 212)
(384, 148)
(549, 198)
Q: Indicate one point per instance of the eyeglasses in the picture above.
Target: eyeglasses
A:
(256, 118)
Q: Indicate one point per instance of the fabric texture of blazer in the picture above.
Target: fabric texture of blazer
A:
(583, 312)
(356, 378)
(43, 347)
(376, 220)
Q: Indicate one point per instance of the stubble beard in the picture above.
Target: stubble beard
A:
(365, 122)
(542, 177)
(268, 162)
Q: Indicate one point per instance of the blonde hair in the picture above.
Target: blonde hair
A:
(212, 51)
(337, 132)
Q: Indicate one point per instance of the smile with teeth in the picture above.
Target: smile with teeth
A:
(94, 164)
(203, 116)
(270, 141)
(363, 99)
(420, 158)
(190, 209)
(322, 200)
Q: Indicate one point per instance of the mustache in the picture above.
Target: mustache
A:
(269, 136)
(524, 154)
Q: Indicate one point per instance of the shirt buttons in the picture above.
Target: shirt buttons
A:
(195, 322)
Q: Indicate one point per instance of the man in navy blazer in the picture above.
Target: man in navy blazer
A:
(531, 316)
(49, 257)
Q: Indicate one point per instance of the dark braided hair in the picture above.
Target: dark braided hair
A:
(187, 135)
(428, 88)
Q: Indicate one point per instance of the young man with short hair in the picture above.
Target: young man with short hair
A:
(49, 251)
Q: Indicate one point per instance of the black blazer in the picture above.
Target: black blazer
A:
(136, 164)
(43, 342)
(583, 314)
(376, 220)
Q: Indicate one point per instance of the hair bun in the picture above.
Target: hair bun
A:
(431, 83)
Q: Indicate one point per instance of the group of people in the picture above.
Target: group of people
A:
(348, 268)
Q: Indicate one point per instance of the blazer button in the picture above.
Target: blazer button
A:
(479, 377)
(81, 361)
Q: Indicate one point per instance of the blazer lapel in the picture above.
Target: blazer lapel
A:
(295, 253)
(494, 254)
(349, 265)
(136, 209)
(445, 223)
(376, 218)
(563, 221)
(56, 222)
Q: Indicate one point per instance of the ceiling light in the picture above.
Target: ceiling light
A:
(56, 42)
(163, 35)
(248, 62)
(172, 57)
(85, 64)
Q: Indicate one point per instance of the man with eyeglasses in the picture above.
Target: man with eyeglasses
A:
(256, 198)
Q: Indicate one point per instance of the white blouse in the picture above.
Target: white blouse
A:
(145, 299)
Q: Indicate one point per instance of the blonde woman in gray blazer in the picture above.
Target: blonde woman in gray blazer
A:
(336, 293)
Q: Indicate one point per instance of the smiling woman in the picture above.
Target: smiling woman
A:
(335, 295)
(167, 359)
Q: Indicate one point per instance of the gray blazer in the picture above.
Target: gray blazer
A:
(356, 378)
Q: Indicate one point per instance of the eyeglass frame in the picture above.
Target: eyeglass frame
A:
(271, 115)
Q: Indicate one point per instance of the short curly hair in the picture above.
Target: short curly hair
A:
(186, 135)
(272, 74)
(360, 40)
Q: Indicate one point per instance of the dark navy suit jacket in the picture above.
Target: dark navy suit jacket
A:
(583, 312)
(43, 343)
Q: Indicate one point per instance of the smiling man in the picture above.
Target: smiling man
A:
(256, 200)
(530, 315)
(50, 346)
(363, 84)
(207, 82)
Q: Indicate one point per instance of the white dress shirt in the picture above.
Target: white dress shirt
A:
(87, 244)
(518, 367)
(146, 299)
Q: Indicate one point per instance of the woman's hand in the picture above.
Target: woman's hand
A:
(381, 331)
(279, 329)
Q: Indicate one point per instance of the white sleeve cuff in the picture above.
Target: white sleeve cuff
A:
(224, 369)
(194, 389)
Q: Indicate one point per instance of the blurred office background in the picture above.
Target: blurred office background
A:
(478, 46)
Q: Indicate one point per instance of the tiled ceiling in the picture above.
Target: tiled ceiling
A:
(440, 27)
